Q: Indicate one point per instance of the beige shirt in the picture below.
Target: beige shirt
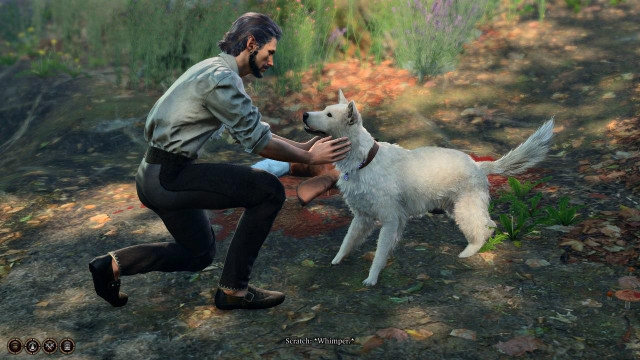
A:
(198, 106)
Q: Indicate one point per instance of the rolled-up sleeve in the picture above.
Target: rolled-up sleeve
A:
(230, 104)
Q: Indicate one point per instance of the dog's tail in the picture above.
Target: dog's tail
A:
(527, 154)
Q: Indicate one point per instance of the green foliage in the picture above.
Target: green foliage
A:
(53, 64)
(577, 5)
(493, 241)
(524, 212)
(564, 214)
(427, 35)
(14, 17)
(306, 39)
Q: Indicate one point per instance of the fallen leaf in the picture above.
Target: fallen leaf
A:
(575, 244)
(308, 263)
(535, 263)
(487, 257)
(420, 334)
(139, 231)
(414, 288)
(15, 210)
(591, 303)
(371, 342)
(369, 255)
(613, 248)
(89, 207)
(111, 232)
(304, 318)
(422, 277)
(519, 345)
(42, 304)
(609, 95)
(630, 214)
(610, 230)
(67, 206)
(393, 333)
(464, 334)
(100, 218)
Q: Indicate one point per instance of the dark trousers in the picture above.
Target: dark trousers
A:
(178, 193)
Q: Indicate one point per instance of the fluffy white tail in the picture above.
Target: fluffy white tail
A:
(524, 156)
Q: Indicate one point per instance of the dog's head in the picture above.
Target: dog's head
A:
(337, 120)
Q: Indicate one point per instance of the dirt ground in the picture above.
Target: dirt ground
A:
(69, 149)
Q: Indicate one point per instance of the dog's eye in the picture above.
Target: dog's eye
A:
(329, 115)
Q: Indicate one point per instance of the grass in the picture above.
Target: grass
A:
(522, 212)
(151, 42)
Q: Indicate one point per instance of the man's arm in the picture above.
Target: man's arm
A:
(304, 146)
(323, 151)
(283, 150)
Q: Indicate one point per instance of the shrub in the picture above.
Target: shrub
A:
(429, 34)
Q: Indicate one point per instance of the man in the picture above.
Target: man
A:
(205, 98)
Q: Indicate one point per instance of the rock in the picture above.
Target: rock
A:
(536, 263)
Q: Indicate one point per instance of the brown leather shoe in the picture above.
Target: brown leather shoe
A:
(107, 287)
(316, 186)
(256, 298)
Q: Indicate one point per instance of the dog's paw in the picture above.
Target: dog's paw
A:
(336, 260)
(369, 282)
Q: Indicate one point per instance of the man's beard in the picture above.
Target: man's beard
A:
(255, 70)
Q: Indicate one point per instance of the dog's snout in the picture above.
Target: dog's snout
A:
(305, 116)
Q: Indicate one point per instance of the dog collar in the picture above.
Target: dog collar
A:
(372, 153)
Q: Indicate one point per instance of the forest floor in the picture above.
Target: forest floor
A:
(69, 149)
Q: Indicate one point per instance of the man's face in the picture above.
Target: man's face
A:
(262, 59)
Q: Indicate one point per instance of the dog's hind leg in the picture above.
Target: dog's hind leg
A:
(360, 228)
(390, 234)
(472, 216)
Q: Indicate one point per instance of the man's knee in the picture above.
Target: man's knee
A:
(276, 189)
(204, 260)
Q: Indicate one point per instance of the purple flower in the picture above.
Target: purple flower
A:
(435, 8)
(336, 33)
(458, 21)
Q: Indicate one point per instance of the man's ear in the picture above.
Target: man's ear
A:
(252, 44)
(341, 98)
(352, 113)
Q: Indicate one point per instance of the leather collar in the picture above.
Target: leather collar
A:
(372, 153)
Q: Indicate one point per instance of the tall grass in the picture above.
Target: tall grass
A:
(306, 38)
(428, 34)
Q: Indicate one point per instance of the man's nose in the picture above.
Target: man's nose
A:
(270, 61)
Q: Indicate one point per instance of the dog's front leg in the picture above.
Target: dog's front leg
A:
(359, 230)
(386, 240)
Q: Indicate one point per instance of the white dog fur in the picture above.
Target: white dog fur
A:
(401, 183)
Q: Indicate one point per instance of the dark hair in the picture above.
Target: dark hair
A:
(260, 26)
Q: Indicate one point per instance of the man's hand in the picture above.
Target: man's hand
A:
(307, 145)
(325, 150)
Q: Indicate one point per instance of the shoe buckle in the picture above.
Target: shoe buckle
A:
(249, 297)
(115, 283)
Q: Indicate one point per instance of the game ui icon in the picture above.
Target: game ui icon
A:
(14, 346)
(32, 346)
(49, 346)
(67, 346)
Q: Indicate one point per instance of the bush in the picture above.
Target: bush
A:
(428, 34)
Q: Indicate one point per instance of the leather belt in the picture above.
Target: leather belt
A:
(159, 156)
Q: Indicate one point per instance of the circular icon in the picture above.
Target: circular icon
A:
(31, 346)
(67, 346)
(15, 346)
(49, 346)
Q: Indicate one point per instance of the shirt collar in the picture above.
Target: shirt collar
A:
(230, 60)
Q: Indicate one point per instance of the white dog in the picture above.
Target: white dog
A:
(395, 184)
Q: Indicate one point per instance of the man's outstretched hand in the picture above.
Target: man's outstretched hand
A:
(326, 151)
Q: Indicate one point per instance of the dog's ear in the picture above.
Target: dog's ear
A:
(352, 113)
(341, 98)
